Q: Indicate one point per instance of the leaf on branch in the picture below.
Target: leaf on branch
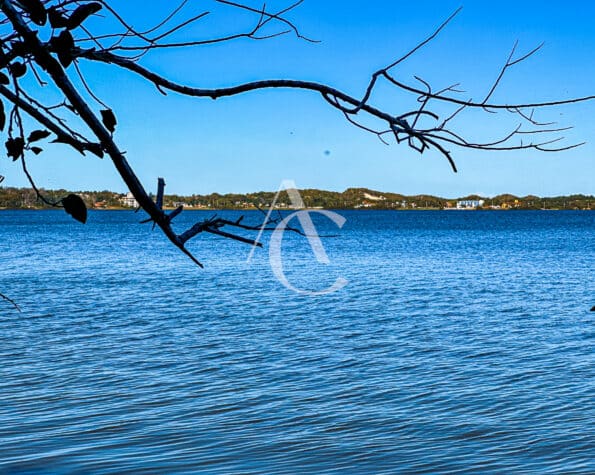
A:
(57, 18)
(17, 69)
(109, 119)
(4, 79)
(36, 150)
(82, 13)
(14, 147)
(38, 135)
(63, 44)
(75, 207)
(36, 11)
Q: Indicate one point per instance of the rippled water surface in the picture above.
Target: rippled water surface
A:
(463, 343)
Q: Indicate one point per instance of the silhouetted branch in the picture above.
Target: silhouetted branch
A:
(385, 70)
(63, 135)
(419, 139)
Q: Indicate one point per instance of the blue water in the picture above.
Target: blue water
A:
(463, 343)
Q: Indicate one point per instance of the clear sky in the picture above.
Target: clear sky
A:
(251, 142)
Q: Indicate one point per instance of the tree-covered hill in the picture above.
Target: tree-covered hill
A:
(351, 198)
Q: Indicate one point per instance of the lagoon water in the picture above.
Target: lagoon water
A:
(463, 343)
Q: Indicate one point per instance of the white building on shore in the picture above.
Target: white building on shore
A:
(470, 204)
(129, 201)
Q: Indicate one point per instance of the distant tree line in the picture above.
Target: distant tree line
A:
(352, 198)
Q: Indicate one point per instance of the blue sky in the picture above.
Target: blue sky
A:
(252, 142)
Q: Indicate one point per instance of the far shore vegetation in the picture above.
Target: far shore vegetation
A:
(352, 198)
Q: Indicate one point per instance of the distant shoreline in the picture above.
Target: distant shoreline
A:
(396, 210)
(351, 198)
